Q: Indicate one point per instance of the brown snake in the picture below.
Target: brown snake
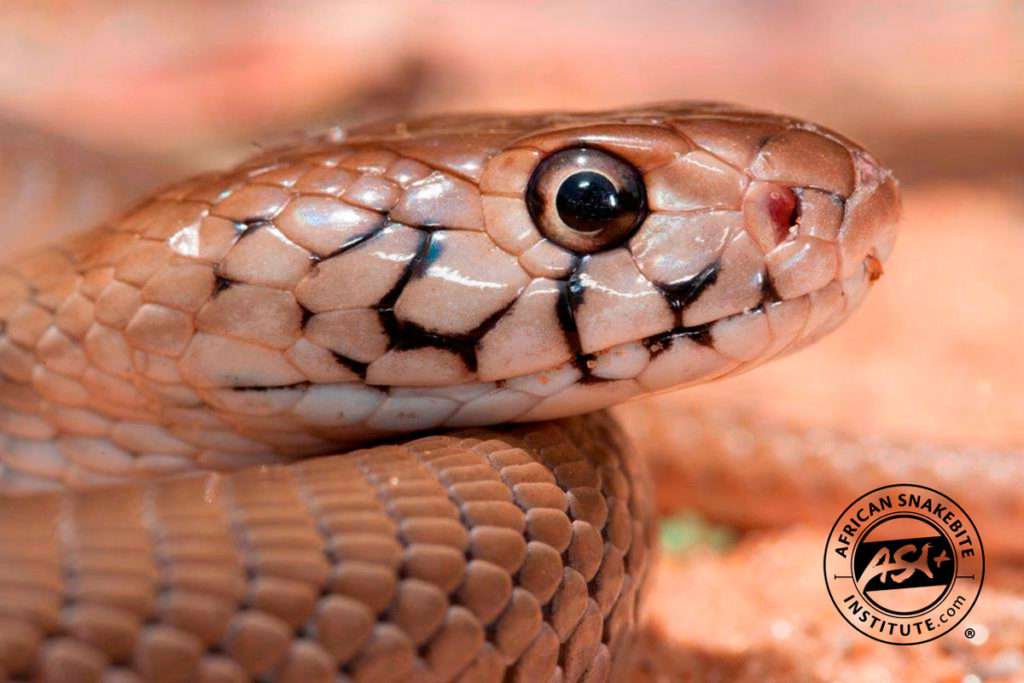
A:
(451, 276)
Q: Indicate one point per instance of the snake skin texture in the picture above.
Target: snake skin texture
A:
(477, 556)
(157, 374)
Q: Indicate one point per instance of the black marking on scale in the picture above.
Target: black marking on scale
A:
(356, 240)
(279, 387)
(658, 343)
(413, 336)
(386, 306)
(769, 294)
(250, 226)
(221, 283)
(306, 315)
(681, 294)
(358, 367)
(435, 247)
(570, 297)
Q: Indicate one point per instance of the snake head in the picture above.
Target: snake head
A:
(463, 270)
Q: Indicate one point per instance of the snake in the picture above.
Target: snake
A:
(338, 413)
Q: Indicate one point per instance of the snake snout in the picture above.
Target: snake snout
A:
(821, 208)
(872, 217)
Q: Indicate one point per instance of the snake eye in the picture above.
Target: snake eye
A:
(586, 199)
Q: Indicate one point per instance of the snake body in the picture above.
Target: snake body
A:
(161, 375)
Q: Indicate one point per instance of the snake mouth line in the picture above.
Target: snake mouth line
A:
(700, 334)
(703, 333)
(655, 344)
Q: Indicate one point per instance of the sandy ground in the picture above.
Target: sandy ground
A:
(760, 613)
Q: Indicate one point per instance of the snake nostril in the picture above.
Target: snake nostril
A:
(772, 213)
(784, 210)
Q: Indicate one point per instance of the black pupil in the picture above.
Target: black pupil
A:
(589, 202)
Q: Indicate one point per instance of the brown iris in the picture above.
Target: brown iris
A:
(586, 199)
